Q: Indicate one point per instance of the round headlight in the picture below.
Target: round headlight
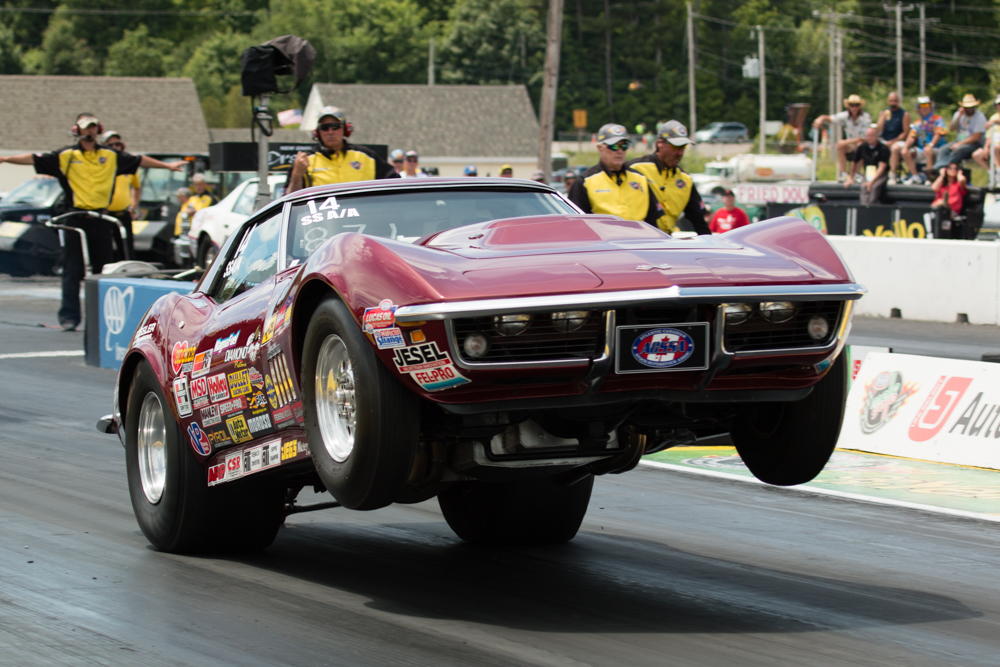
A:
(511, 325)
(570, 321)
(818, 328)
(738, 313)
(476, 345)
(777, 312)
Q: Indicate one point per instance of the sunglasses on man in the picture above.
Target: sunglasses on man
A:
(397, 162)
(327, 127)
(620, 146)
(116, 144)
(411, 159)
(853, 106)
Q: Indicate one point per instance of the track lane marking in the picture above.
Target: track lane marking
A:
(827, 492)
(34, 355)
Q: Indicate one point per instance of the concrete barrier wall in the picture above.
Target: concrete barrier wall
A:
(927, 279)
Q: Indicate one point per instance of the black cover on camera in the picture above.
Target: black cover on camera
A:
(262, 64)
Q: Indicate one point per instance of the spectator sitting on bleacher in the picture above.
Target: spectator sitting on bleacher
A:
(926, 136)
(894, 122)
(970, 123)
(854, 121)
(982, 156)
(873, 159)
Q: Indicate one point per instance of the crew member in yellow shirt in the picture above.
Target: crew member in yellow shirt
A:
(335, 160)
(125, 198)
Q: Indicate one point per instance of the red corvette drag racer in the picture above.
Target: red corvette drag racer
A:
(477, 340)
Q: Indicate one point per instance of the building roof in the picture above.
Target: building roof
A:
(154, 115)
(438, 121)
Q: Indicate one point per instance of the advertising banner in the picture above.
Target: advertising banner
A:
(928, 408)
(780, 193)
(121, 304)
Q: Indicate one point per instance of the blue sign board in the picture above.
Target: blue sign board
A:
(121, 304)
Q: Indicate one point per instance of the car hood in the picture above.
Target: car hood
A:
(588, 253)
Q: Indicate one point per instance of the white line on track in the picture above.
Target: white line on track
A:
(827, 492)
(33, 355)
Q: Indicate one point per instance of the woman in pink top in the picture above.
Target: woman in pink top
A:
(949, 193)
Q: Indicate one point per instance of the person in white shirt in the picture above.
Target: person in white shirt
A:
(855, 121)
(411, 166)
(970, 124)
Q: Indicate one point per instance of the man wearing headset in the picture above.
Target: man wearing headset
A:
(87, 173)
(125, 200)
(335, 160)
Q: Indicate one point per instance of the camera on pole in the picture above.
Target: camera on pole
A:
(262, 65)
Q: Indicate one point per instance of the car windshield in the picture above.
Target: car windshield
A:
(408, 216)
(159, 185)
(40, 192)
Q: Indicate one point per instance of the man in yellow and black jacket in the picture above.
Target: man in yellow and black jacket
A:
(87, 173)
(612, 188)
(673, 188)
(125, 200)
(335, 160)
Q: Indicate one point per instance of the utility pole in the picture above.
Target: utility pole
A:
(692, 115)
(923, 21)
(550, 86)
(839, 80)
(430, 63)
(899, 9)
(763, 89)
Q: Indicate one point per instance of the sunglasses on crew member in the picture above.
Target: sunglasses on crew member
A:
(116, 144)
(326, 127)
(411, 158)
(620, 146)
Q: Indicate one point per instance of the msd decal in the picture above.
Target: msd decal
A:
(181, 396)
(663, 348)
(884, 396)
(198, 439)
(937, 407)
(182, 357)
(382, 316)
(217, 387)
(199, 392)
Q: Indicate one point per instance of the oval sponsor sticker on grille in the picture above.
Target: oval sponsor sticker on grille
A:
(663, 348)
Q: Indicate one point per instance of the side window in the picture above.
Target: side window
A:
(254, 259)
(244, 205)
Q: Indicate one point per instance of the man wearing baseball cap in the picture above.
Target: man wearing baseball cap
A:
(87, 173)
(335, 160)
(411, 166)
(612, 188)
(125, 200)
(674, 188)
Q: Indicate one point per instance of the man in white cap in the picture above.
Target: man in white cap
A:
(612, 188)
(411, 166)
(125, 200)
(674, 188)
(335, 160)
(970, 123)
(396, 159)
(87, 173)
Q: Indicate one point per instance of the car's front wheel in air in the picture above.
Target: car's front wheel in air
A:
(362, 424)
(538, 511)
(176, 510)
(790, 443)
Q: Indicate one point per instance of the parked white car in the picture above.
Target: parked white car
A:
(211, 226)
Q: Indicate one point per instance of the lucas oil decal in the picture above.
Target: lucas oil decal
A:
(380, 317)
(663, 348)
(884, 396)
(428, 366)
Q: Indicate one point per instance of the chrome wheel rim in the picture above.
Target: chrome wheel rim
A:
(152, 448)
(336, 398)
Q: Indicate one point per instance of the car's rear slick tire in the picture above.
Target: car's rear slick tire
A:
(370, 468)
(789, 443)
(530, 512)
(189, 517)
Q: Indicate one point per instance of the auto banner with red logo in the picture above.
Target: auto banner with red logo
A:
(928, 408)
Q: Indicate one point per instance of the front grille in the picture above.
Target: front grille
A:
(757, 334)
(539, 342)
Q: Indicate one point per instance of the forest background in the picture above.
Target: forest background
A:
(622, 61)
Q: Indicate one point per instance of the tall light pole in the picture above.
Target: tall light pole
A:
(692, 115)
(923, 21)
(899, 9)
(550, 87)
(763, 89)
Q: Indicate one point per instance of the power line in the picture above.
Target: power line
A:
(120, 12)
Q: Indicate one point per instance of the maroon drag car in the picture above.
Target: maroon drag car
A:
(478, 340)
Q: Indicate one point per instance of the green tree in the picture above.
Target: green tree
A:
(10, 52)
(215, 64)
(62, 51)
(137, 54)
(494, 42)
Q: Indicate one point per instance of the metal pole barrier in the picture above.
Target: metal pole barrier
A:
(815, 137)
(83, 238)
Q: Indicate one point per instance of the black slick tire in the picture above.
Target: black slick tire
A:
(789, 443)
(387, 417)
(530, 512)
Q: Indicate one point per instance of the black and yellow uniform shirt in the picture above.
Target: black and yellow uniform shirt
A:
(354, 163)
(676, 192)
(623, 193)
(87, 177)
(122, 197)
(204, 200)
